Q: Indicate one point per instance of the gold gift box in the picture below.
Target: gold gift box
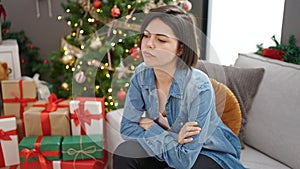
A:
(12, 98)
(59, 120)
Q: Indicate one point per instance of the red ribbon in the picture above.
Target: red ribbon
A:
(84, 117)
(23, 101)
(5, 135)
(2, 163)
(36, 152)
(50, 107)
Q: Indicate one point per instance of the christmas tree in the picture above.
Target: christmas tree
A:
(101, 48)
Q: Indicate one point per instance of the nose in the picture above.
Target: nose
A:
(150, 42)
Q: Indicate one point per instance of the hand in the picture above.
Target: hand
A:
(146, 123)
(187, 130)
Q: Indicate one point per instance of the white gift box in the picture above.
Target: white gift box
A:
(87, 116)
(9, 150)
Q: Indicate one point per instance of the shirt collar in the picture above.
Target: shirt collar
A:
(177, 86)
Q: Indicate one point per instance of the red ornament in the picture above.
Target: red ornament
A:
(273, 53)
(135, 52)
(121, 94)
(45, 61)
(31, 46)
(115, 12)
(22, 61)
(97, 4)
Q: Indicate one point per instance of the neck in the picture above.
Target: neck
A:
(163, 77)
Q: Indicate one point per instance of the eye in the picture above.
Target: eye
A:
(146, 35)
(161, 40)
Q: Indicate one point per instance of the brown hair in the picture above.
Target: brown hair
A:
(183, 26)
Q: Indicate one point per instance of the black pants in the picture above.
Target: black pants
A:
(130, 155)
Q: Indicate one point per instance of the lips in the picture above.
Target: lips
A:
(147, 54)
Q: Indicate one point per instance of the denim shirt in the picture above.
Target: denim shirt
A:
(191, 98)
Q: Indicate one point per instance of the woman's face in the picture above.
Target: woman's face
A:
(159, 45)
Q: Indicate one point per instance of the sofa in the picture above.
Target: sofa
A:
(271, 137)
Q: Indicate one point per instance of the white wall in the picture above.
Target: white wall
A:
(237, 26)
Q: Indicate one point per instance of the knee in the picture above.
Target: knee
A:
(130, 149)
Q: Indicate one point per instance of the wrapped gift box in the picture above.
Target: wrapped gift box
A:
(82, 147)
(18, 96)
(45, 119)
(47, 147)
(78, 164)
(87, 116)
(9, 152)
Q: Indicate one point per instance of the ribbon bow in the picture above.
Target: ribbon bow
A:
(84, 116)
(5, 135)
(43, 90)
(33, 153)
(52, 104)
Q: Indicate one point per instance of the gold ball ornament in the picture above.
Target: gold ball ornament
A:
(66, 59)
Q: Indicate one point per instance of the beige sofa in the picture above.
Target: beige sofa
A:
(272, 132)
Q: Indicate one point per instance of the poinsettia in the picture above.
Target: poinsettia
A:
(287, 53)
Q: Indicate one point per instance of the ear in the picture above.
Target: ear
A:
(180, 50)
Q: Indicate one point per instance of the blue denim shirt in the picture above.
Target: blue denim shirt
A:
(191, 98)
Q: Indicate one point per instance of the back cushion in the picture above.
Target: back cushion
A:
(227, 106)
(274, 118)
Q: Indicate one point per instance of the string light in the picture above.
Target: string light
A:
(69, 23)
(126, 50)
(120, 32)
(107, 75)
(116, 104)
(59, 18)
(102, 67)
(67, 66)
(106, 103)
(91, 20)
(81, 31)
(109, 90)
(114, 31)
(129, 6)
(113, 44)
(82, 46)
(109, 97)
(68, 10)
(84, 88)
(97, 87)
(133, 18)
(99, 10)
(106, 64)
(75, 25)
(126, 84)
(73, 69)
(120, 40)
(78, 66)
(111, 103)
(73, 34)
(124, 34)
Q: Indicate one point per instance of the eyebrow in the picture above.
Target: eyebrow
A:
(158, 34)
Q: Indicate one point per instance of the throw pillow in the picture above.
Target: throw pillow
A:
(243, 82)
(227, 106)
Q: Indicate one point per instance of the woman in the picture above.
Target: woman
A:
(170, 118)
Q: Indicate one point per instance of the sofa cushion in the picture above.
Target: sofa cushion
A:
(254, 159)
(273, 120)
(227, 106)
(243, 82)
